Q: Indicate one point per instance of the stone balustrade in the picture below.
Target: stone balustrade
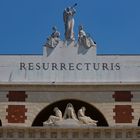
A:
(97, 133)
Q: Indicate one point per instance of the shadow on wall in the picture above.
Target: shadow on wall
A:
(0, 123)
(139, 122)
(90, 111)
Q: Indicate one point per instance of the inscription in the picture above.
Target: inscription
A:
(69, 66)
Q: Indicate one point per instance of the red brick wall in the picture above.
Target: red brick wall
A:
(16, 113)
(17, 96)
(122, 96)
(123, 114)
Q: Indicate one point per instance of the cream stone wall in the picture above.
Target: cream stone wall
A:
(67, 65)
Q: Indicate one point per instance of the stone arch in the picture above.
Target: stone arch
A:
(91, 111)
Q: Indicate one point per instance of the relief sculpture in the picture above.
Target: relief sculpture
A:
(70, 117)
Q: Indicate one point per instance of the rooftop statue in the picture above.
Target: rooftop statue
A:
(84, 39)
(68, 17)
(53, 39)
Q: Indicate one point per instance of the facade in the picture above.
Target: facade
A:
(70, 75)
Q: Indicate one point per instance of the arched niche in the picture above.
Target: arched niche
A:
(91, 111)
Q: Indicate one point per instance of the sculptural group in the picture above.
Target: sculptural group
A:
(84, 39)
(70, 115)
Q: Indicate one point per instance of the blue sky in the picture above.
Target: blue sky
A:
(114, 24)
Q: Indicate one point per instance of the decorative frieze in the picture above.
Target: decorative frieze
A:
(129, 134)
(96, 134)
(53, 134)
(75, 135)
(108, 133)
(43, 133)
(118, 134)
(21, 133)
